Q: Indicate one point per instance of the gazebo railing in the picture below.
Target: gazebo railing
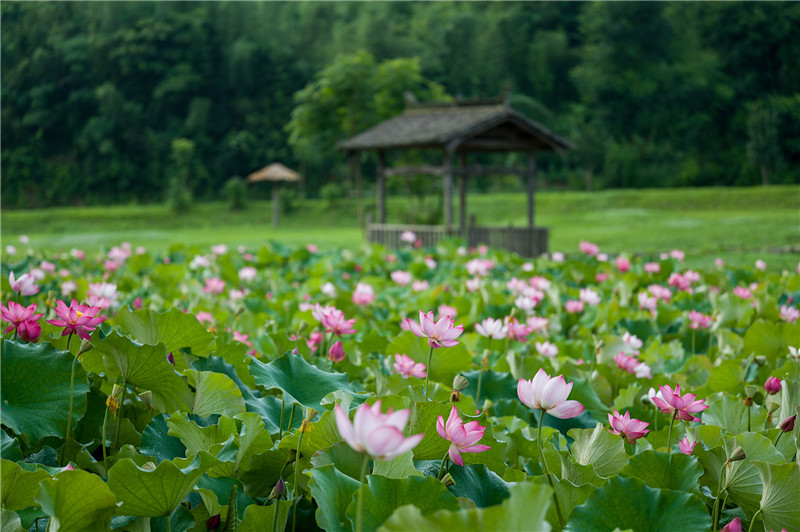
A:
(525, 241)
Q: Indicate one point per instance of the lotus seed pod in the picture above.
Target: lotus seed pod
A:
(460, 382)
(737, 454)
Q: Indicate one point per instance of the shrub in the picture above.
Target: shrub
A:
(235, 191)
(331, 193)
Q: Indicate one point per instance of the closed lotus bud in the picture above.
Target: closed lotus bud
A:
(212, 523)
(171, 359)
(787, 425)
(760, 360)
(86, 345)
(278, 490)
(149, 466)
(737, 454)
(448, 481)
(460, 382)
(772, 386)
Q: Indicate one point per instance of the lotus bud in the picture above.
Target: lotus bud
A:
(760, 360)
(86, 345)
(212, 523)
(460, 382)
(278, 490)
(171, 359)
(149, 466)
(772, 386)
(147, 398)
(736, 455)
(448, 481)
(787, 425)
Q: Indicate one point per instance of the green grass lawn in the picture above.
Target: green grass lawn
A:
(737, 224)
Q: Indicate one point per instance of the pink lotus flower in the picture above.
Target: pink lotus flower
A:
(219, 249)
(772, 386)
(400, 277)
(364, 294)
(442, 333)
(446, 310)
(633, 366)
(685, 405)
(379, 435)
(546, 349)
(660, 292)
(630, 429)
(472, 284)
(517, 331)
(247, 274)
(243, 338)
(419, 286)
(312, 248)
(409, 237)
(589, 297)
(334, 322)
(623, 264)
(23, 320)
(761, 265)
(68, 287)
(77, 253)
(314, 339)
(25, 285)
(462, 437)
(479, 267)
(492, 328)
(549, 395)
(734, 526)
(103, 295)
(602, 257)
(631, 341)
(601, 277)
(677, 254)
(430, 263)
(573, 306)
(557, 256)
(647, 302)
(652, 267)
(699, 320)
(742, 292)
(538, 324)
(328, 289)
(588, 248)
(80, 319)
(405, 366)
(214, 286)
(203, 316)
(539, 283)
(336, 352)
(789, 314)
(47, 266)
(685, 446)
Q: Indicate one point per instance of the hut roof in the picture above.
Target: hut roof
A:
(480, 127)
(274, 172)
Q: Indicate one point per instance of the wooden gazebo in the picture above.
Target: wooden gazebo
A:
(275, 172)
(458, 128)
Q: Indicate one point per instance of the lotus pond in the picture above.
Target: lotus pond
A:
(414, 389)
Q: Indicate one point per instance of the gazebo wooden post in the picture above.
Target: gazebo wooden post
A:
(447, 185)
(381, 184)
(276, 209)
(530, 176)
(462, 191)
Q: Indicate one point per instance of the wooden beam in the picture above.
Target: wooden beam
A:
(447, 185)
(462, 190)
(477, 169)
(381, 185)
(531, 178)
(276, 207)
(428, 169)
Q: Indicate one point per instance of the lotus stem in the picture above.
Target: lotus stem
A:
(693, 333)
(297, 473)
(105, 422)
(69, 412)
(753, 521)
(778, 438)
(428, 374)
(714, 514)
(277, 513)
(280, 429)
(232, 521)
(545, 471)
(478, 394)
(749, 408)
(169, 528)
(441, 466)
(291, 419)
(119, 413)
(669, 434)
(360, 504)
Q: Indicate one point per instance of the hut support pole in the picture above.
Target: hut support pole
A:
(381, 186)
(530, 176)
(447, 186)
(462, 191)
(276, 208)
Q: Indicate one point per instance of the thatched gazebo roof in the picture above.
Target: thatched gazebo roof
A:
(274, 172)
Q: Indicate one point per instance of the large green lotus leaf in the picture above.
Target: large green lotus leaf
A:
(477, 483)
(10, 449)
(9, 521)
(727, 377)
(382, 496)
(77, 501)
(764, 338)
(143, 366)
(344, 458)
(216, 393)
(230, 359)
(264, 471)
(157, 442)
(742, 479)
(790, 399)
(628, 503)
(433, 447)
(35, 389)
(584, 392)
(18, 486)
(730, 413)
(446, 363)
(780, 500)
(598, 447)
(523, 511)
(260, 518)
(175, 329)
(300, 381)
(569, 496)
(333, 491)
(320, 434)
(157, 492)
(732, 311)
(665, 471)
(398, 467)
(495, 385)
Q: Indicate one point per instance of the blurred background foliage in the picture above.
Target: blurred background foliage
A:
(96, 94)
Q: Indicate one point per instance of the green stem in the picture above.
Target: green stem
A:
(232, 521)
(105, 422)
(428, 374)
(749, 408)
(720, 488)
(277, 512)
(441, 466)
(669, 434)
(296, 475)
(693, 333)
(778, 438)
(360, 504)
(280, 429)
(119, 413)
(69, 412)
(546, 472)
(753, 521)
(478, 394)
(291, 419)
(169, 527)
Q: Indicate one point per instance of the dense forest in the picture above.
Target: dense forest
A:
(110, 101)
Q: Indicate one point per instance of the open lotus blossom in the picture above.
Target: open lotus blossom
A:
(472, 284)
(685, 405)
(247, 274)
(68, 288)
(633, 366)
(407, 367)
(742, 292)
(214, 286)
(632, 341)
(409, 237)
(401, 277)
(377, 434)
(419, 286)
(23, 320)
(660, 292)
(789, 314)
(442, 333)
(573, 306)
(630, 429)
(549, 395)
(103, 295)
(492, 328)
(685, 446)
(334, 322)
(623, 264)
(25, 285)
(761, 265)
(364, 294)
(589, 297)
(699, 320)
(546, 349)
(204, 316)
(517, 331)
(794, 352)
(462, 437)
(588, 248)
(538, 324)
(77, 318)
(602, 257)
(677, 254)
(647, 302)
(601, 277)
(446, 310)
(557, 256)
(652, 267)
(772, 386)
